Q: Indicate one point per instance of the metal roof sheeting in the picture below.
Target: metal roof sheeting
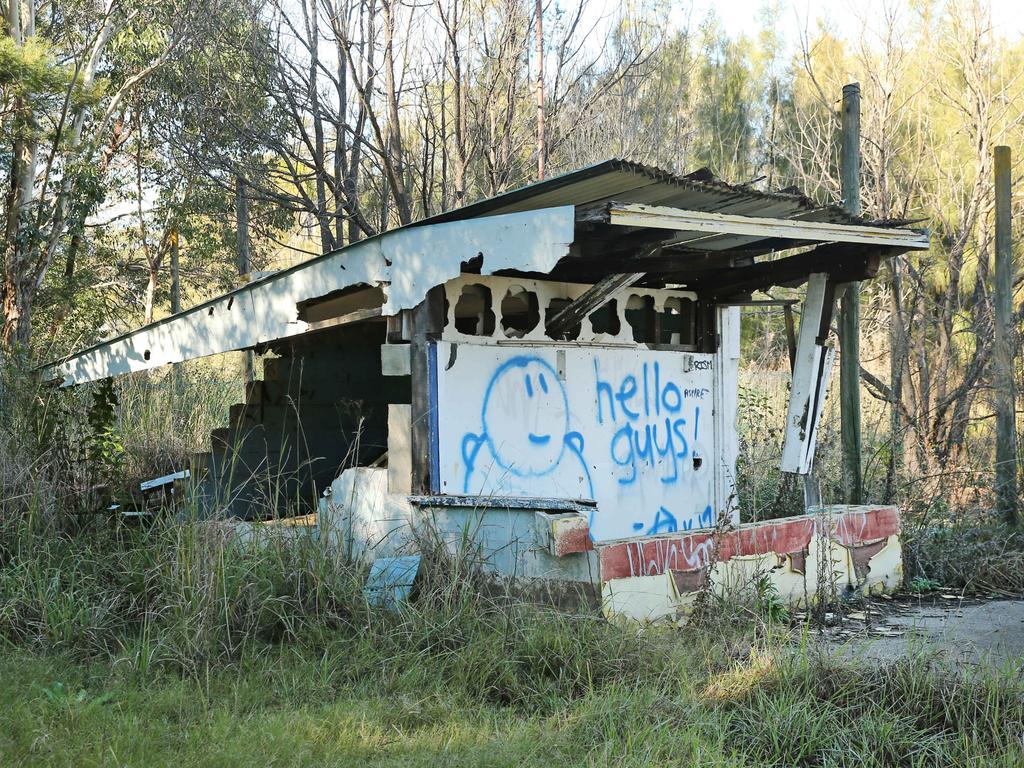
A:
(626, 181)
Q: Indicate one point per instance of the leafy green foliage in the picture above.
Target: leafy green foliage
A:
(920, 584)
(767, 602)
(64, 697)
(30, 69)
(103, 445)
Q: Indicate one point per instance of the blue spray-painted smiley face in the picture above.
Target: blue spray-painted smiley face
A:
(526, 416)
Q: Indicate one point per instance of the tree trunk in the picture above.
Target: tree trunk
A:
(154, 273)
(393, 150)
(17, 312)
(897, 345)
(18, 244)
(542, 144)
(244, 262)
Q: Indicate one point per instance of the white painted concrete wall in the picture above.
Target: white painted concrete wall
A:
(633, 429)
(361, 519)
(546, 291)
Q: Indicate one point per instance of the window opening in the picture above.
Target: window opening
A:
(641, 317)
(677, 321)
(520, 312)
(473, 313)
(605, 319)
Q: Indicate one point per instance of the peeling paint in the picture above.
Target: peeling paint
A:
(405, 263)
(863, 552)
(570, 535)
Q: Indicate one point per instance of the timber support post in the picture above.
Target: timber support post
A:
(849, 310)
(427, 323)
(1004, 352)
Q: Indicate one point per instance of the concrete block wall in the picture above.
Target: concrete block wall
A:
(363, 520)
(321, 406)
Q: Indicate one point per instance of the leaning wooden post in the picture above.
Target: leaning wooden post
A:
(427, 324)
(1004, 352)
(849, 310)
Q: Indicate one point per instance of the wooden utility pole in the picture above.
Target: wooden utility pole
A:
(542, 143)
(1004, 352)
(244, 261)
(175, 300)
(175, 273)
(849, 310)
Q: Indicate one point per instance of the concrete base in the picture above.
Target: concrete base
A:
(515, 542)
(646, 579)
(655, 579)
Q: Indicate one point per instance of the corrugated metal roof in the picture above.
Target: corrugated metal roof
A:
(626, 181)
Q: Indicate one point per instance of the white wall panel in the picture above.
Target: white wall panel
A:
(633, 429)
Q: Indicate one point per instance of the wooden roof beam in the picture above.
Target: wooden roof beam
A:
(842, 263)
(680, 220)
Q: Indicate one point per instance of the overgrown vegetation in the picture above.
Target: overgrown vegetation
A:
(118, 642)
(152, 150)
(182, 643)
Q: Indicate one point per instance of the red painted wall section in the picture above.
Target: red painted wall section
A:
(866, 525)
(687, 553)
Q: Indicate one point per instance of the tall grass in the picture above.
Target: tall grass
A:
(273, 631)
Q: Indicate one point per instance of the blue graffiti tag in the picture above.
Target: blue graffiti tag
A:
(705, 519)
(525, 418)
(653, 432)
(664, 522)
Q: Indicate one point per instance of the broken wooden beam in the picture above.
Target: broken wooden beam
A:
(596, 296)
(842, 263)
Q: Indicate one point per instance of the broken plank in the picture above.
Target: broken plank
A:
(678, 219)
(593, 298)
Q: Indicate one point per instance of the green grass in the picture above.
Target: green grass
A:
(298, 707)
(284, 711)
(180, 646)
(177, 647)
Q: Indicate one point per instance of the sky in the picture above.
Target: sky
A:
(741, 17)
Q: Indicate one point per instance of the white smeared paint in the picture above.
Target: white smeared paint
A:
(645, 599)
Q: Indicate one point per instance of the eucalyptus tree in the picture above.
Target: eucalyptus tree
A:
(71, 68)
(941, 88)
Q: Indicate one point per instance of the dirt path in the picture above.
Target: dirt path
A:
(960, 631)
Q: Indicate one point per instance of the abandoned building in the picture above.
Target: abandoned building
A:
(550, 374)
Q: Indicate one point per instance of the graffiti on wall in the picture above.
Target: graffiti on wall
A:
(628, 428)
(531, 450)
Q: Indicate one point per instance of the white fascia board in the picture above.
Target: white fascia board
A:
(406, 262)
(662, 217)
(532, 241)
